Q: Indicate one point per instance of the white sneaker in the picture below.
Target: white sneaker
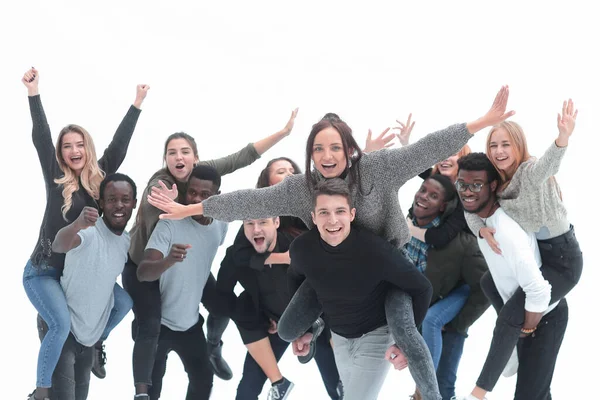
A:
(469, 397)
(512, 366)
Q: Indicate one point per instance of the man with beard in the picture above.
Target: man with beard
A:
(96, 252)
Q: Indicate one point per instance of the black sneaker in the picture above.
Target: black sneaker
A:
(99, 361)
(340, 391)
(31, 396)
(317, 328)
(219, 365)
(281, 391)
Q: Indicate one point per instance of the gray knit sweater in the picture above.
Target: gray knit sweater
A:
(533, 198)
(377, 209)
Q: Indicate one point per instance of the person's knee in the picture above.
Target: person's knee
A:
(287, 331)
(432, 323)
(59, 326)
(148, 328)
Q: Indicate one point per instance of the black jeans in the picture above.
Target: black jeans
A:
(190, 346)
(146, 326)
(71, 377)
(253, 378)
(562, 264)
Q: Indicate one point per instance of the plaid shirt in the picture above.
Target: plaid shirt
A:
(415, 250)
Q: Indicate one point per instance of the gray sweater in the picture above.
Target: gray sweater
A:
(377, 209)
(533, 198)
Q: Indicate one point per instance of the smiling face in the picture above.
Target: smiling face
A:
(333, 217)
(328, 153)
(180, 159)
(199, 190)
(476, 202)
(502, 151)
(72, 151)
(117, 204)
(280, 170)
(449, 167)
(429, 202)
(262, 233)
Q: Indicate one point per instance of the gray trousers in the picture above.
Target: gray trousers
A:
(71, 378)
(361, 363)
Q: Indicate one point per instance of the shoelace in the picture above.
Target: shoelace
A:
(102, 355)
(274, 393)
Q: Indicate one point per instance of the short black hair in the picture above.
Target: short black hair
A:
(117, 177)
(331, 187)
(207, 173)
(479, 162)
(449, 188)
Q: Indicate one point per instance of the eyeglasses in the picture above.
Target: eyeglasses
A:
(473, 187)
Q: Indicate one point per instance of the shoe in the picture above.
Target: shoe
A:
(31, 396)
(340, 391)
(42, 327)
(469, 397)
(99, 360)
(142, 396)
(512, 366)
(281, 391)
(317, 328)
(219, 365)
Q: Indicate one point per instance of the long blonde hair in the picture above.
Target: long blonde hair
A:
(518, 142)
(91, 176)
(462, 152)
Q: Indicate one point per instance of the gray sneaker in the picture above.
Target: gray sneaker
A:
(280, 391)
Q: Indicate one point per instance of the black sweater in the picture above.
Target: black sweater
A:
(53, 220)
(352, 279)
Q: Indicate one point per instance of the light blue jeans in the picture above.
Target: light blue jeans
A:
(42, 285)
(440, 314)
(361, 363)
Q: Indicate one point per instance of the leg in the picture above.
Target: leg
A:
(215, 327)
(83, 368)
(63, 379)
(401, 320)
(438, 315)
(45, 293)
(191, 348)
(537, 355)
(145, 327)
(165, 345)
(260, 364)
(299, 315)
(325, 360)
(453, 344)
(363, 363)
(122, 305)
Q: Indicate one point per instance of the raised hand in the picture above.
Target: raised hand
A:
(405, 130)
(495, 115)
(380, 142)
(290, 124)
(178, 253)
(140, 94)
(170, 193)
(31, 79)
(396, 357)
(87, 218)
(173, 209)
(566, 123)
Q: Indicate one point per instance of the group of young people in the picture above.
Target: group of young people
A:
(327, 259)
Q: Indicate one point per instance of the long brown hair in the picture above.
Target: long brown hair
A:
(91, 176)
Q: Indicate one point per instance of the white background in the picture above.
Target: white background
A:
(230, 72)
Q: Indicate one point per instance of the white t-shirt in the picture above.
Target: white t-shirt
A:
(91, 271)
(519, 265)
(182, 285)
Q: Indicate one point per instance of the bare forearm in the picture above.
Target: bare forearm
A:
(278, 258)
(265, 144)
(149, 271)
(65, 238)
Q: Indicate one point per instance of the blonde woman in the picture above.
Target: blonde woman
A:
(72, 176)
(530, 195)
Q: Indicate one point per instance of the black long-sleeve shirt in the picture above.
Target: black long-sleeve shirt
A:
(352, 279)
(53, 220)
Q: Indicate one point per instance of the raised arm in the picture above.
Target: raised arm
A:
(67, 238)
(265, 144)
(42, 138)
(115, 153)
(289, 197)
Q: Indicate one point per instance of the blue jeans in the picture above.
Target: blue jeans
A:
(42, 285)
(453, 344)
(440, 314)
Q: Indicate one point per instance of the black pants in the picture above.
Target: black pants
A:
(190, 346)
(562, 264)
(71, 377)
(146, 326)
(253, 378)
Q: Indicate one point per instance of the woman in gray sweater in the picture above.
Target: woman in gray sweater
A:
(374, 179)
(531, 196)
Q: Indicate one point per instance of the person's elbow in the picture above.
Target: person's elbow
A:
(59, 247)
(143, 274)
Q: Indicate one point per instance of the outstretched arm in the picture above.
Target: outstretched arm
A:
(265, 144)
(67, 238)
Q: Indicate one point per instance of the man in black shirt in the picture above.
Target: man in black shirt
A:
(259, 260)
(351, 271)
